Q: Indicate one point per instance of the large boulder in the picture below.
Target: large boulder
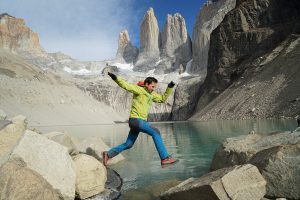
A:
(91, 176)
(10, 134)
(64, 139)
(94, 146)
(280, 167)
(19, 182)
(45, 167)
(277, 156)
(112, 187)
(238, 182)
(239, 150)
(186, 98)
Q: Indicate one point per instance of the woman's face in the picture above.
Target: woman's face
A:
(150, 87)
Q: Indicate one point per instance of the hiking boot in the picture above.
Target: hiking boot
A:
(168, 161)
(105, 158)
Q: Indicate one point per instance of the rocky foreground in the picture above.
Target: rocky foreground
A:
(248, 167)
(52, 166)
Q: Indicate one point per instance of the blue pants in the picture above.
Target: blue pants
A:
(138, 125)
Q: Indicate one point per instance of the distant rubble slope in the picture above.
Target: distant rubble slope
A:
(253, 66)
(106, 90)
(14, 66)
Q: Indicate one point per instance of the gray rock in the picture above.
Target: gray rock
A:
(275, 155)
(111, 69)
(4, 123)
(107, 194)
(126, 53)
(186, 98)
(19, 182)
(238, 182)
(64, 139)
(42, 160)
(114, 180)
(90, 176)
(280, 167)
(208, 19)
(112, 189)
(149, 43)
(239, 150)
(10, 134)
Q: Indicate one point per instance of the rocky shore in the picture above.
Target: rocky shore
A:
(248, 167)
(52, 165)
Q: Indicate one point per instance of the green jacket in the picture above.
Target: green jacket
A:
(142, 99)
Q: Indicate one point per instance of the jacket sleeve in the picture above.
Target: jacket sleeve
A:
(161, 98)
(128, 86)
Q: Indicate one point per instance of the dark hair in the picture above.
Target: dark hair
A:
(149, 80)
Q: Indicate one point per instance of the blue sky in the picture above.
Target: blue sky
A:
(89, 29)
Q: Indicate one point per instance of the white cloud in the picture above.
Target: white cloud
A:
(83, 29)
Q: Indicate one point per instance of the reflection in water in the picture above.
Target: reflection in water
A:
(194, 143)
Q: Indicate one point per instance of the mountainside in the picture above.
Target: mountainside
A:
(253, 66)
(46, 98)
(91, 77)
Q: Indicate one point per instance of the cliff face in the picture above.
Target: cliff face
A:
(15, 36)
(149, 43)
(210, 16)
(247, 36)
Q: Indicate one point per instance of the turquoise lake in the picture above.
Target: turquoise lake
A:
(193, 143)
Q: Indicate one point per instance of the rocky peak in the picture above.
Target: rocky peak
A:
(149, 42)
(123, 39)
(149, 33)
(16, 36)
(126, 52)
(174, 34)
(176, 48)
